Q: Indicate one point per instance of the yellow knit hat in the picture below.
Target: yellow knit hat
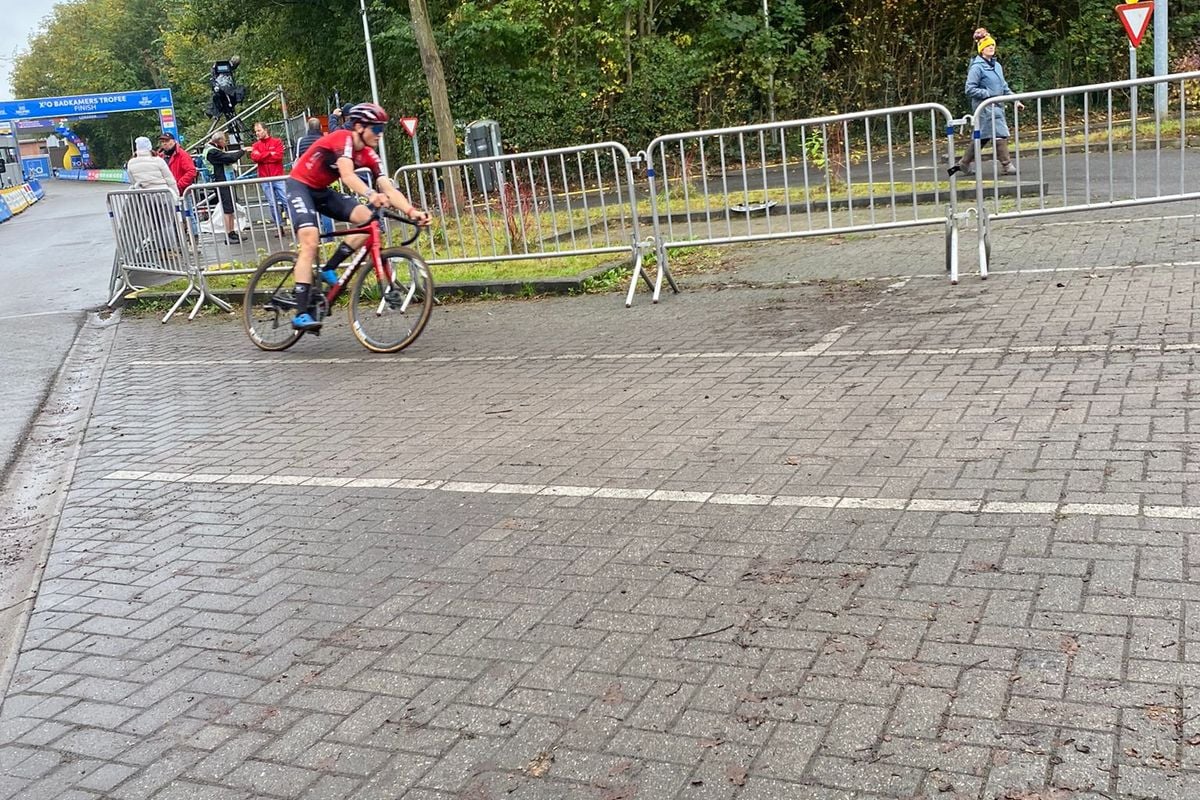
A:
(985, 42)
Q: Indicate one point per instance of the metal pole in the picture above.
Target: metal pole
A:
(374, 85)
(771, 76)
(287, 130)
(1133, 92)
(1160, 58)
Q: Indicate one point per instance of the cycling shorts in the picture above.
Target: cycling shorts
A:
(305, 204)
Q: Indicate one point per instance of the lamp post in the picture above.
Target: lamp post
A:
(374, 85)
(771, 76)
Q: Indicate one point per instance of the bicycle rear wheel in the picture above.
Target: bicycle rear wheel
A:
(388, 315)
(269, 302)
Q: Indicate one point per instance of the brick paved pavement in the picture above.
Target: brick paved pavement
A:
(842, 540)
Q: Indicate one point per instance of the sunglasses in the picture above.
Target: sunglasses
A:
(377, 130)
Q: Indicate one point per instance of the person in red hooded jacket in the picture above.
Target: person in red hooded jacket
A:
(183, 170)
(179, 162)
(267, 153)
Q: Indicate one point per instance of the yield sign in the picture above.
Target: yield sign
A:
(409, 124)
(1136, 18)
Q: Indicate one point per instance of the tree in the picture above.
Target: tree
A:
(89, 46)
(439, 97)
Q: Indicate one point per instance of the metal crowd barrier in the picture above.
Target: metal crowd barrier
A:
(151, 247)
(871, 170)
(572, 201)
(1089, 149)
(212, 251)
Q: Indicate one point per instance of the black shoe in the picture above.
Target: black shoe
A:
(954, 170)
(232, 238)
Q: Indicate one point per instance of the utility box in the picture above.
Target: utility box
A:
(482, 140)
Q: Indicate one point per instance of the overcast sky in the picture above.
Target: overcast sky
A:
(20, 20)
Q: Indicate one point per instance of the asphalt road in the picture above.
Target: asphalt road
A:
(56, 264)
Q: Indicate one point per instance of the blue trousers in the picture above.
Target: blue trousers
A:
(276, 197)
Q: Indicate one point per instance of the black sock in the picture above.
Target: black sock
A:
(339, 255)
(302, 293)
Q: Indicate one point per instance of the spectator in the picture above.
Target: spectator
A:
(147, 172)
(335, 120)
(267, 153)
(178, 161)
(306, 141)
(311, 134)
(183, 169)
(985, 79)
(218, 158)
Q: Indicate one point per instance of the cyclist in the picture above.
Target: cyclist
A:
(333, 157)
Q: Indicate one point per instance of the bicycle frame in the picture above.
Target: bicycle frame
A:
(372, 246)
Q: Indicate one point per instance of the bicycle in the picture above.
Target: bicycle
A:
(400, 296)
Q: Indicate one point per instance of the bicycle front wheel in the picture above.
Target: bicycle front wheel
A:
(387, 315)
(269, 302)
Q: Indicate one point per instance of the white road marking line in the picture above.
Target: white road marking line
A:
(41, 314)
(1102, 509)
(466, 486)
(282, 480)
(818, 350)
(1173, 512)
(515, 488)
(876, 503)
(840, 502)
(929, 504)
(1047, 270)
(623, 494)
(322, 481)
(1001, 507)
(828, 340)
(724, 499)
(568, 491)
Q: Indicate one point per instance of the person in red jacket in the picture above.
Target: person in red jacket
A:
(183, 169)
(178, 161)
(267, 153)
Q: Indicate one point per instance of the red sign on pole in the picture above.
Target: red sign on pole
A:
(1136, 18)
(409, 124)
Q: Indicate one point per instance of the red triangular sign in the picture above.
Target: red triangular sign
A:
(409, 124)
(1136, 18)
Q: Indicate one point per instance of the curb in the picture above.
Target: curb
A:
(574, 284)
(51, 453)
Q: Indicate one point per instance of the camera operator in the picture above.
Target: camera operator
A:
(218, 158)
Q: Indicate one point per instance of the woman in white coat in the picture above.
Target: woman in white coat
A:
(148, 172)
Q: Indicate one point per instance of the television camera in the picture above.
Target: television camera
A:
(226, 93)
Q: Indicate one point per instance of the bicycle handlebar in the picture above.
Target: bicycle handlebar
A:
(381, 212)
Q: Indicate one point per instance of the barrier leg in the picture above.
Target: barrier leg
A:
(633, 279)
(985, 244)
(662, 269)
(186, 292)
(116, 296)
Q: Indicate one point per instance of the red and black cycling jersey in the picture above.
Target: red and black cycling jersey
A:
(318, 166)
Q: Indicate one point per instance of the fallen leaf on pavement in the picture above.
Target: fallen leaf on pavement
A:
(540, 764)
